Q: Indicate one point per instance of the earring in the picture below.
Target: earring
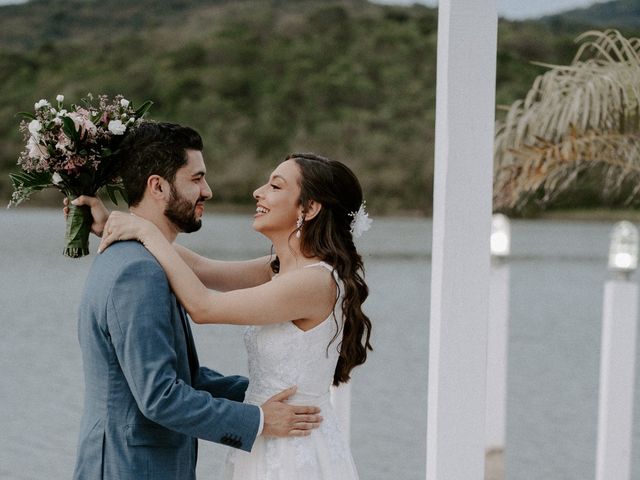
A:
(299, 223)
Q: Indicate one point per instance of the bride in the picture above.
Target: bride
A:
(306, 328)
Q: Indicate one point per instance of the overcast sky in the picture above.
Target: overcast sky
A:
(514, 9)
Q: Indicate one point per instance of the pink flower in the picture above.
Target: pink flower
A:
(74, 164)
(63, 142)
(83, 122)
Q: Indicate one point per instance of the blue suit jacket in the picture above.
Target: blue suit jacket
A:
(146, 397)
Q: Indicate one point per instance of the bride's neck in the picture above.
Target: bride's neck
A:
(290, 255)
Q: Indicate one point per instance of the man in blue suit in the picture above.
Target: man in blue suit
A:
(147, 399)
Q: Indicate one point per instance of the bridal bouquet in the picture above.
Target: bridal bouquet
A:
(74, 150)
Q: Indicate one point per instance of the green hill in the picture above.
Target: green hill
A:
(349, 79)
(619, 14)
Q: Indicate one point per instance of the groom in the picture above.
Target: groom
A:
(147, 399)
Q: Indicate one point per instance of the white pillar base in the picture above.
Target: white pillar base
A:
(497, 346)
(617, 375)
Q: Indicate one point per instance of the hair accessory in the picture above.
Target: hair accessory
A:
(361, 221)
(299, 223)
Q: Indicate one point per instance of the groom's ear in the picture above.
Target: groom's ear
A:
(158, 187)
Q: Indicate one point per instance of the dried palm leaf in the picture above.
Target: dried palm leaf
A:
(574, 117)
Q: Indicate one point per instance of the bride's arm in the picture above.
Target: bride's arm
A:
(302, 294)
(224, 276)
(215, 274)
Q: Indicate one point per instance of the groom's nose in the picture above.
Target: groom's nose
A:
(206, 192)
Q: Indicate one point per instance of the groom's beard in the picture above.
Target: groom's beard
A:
(182, 213)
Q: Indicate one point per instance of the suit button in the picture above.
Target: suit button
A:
(231, 441)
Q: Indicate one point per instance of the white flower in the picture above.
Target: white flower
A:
(117, 127)
(62, 113)
(35, 149)
(34, 127)
(56, 178)
(41, 103)
(57, 121)
(361, 221)
(124, 102)
(53, 111)
(60, 98)
(131, 120)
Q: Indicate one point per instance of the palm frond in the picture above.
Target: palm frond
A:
(574, 116)
(551, 167)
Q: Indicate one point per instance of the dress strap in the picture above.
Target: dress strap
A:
(333, 271)
(320, 264)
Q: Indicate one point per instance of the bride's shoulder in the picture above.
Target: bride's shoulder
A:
(310, 278)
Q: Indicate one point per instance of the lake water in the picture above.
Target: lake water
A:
(557, 275)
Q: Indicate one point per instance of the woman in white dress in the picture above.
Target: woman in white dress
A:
(307, 326)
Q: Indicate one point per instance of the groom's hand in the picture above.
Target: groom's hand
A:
(99, 212)
(284, 420)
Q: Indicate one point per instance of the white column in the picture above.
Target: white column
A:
(341, 401)
(497, 344)
(617, 365)
(467, 36)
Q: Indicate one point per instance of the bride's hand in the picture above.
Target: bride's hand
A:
(98, 211)
(126, 226)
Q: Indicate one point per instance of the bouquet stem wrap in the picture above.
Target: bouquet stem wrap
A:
(76, 237)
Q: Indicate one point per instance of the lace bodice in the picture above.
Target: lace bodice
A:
(282, 355)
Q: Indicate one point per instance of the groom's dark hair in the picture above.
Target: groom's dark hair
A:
(154, 148)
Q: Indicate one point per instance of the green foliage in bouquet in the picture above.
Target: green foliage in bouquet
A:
(76, 151)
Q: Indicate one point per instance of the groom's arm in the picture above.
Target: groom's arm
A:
(139, 321)
(232, 387)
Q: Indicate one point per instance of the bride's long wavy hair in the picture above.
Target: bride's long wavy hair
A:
(328, 237)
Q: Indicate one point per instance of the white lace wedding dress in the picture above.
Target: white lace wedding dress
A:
(282, 355)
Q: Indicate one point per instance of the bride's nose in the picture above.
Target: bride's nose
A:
(256, 193)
